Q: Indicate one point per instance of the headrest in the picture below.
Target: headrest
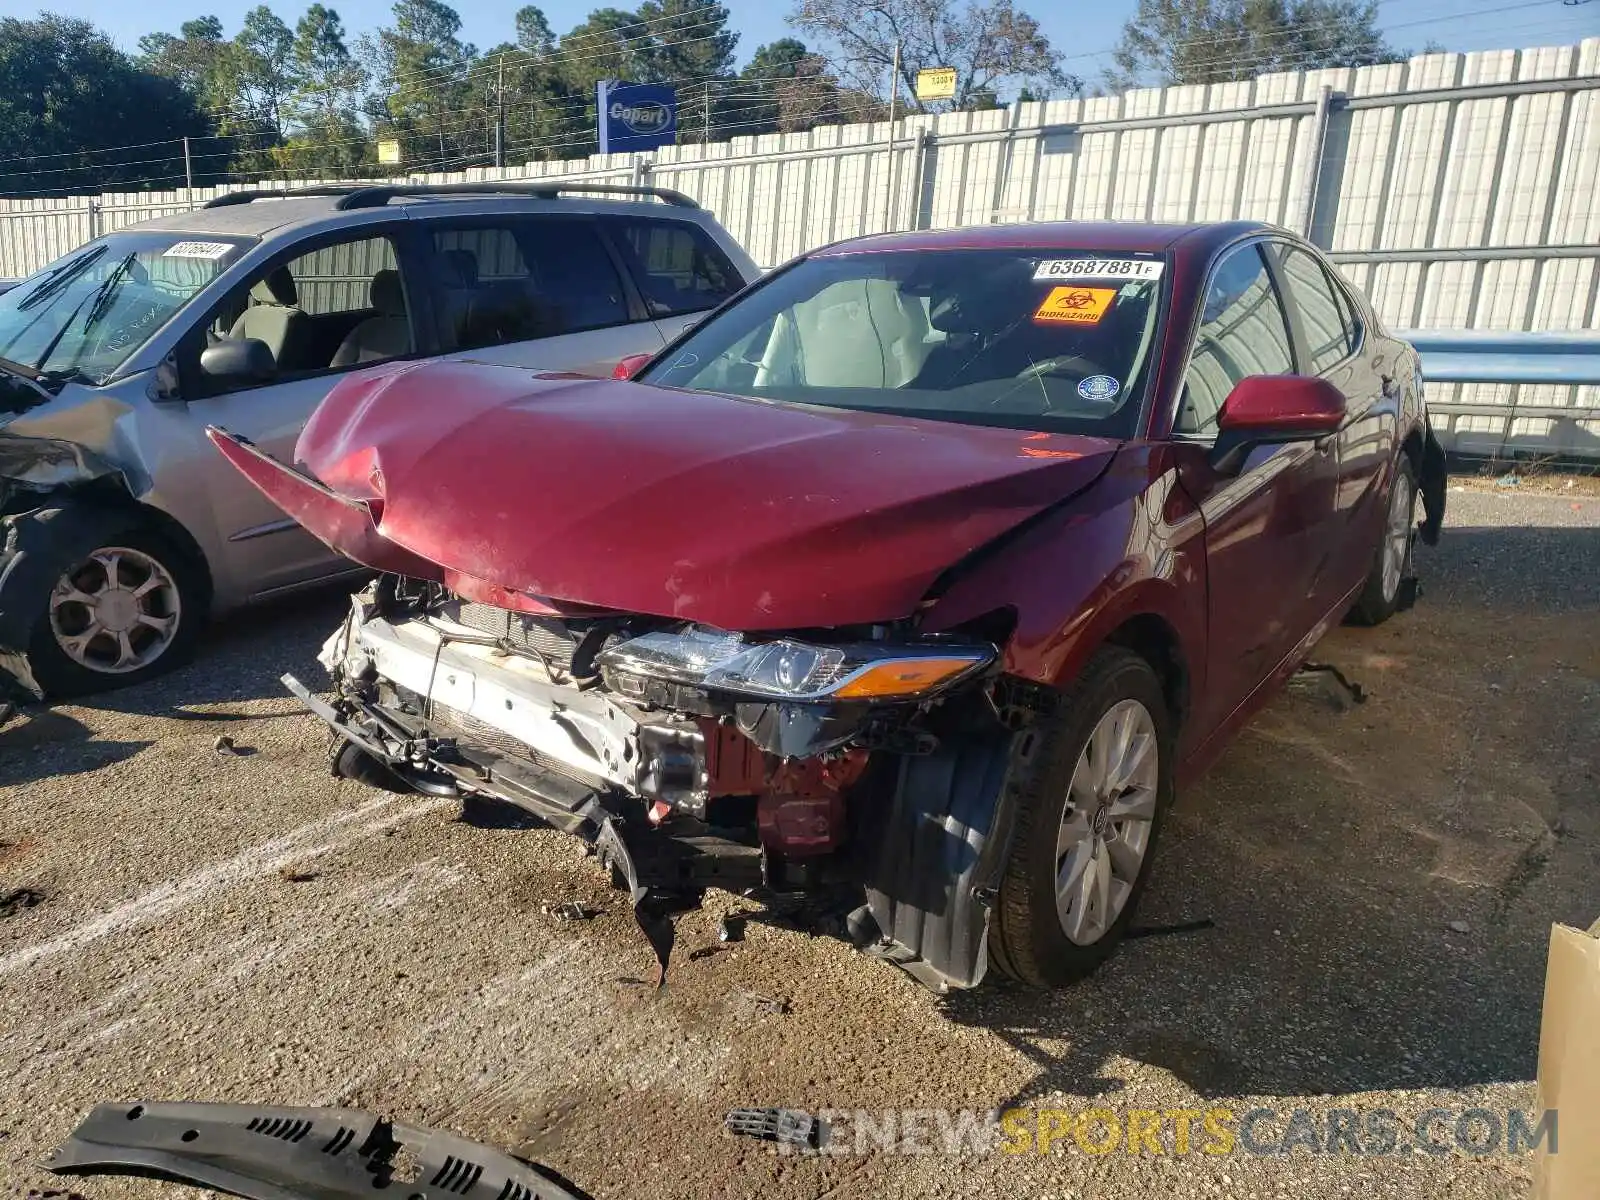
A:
(462, 266)
(388, 297)
(277, 288)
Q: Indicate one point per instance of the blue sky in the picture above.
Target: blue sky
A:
(1083, 29)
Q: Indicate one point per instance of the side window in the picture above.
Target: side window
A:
(1242, 332)
(678, 266)
(335, 307)
(516, 280)
(1323, 315)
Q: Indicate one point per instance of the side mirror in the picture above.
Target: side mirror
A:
(1265, 410)
(631, 366)
(235, 361)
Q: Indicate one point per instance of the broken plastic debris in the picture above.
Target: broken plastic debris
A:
(571, 910)
(775, 1005)
(787, 1126)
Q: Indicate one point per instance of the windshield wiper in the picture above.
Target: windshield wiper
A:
(95, 299)
(268, 1152)
(63, 275)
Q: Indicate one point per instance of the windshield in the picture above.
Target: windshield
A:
(1059, 341)
(85, 314)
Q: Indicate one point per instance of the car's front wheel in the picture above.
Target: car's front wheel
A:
(123, 606)
(1087, 824)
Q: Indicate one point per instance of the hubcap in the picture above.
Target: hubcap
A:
(1105, 828)
(115, 612)
(1397, 535)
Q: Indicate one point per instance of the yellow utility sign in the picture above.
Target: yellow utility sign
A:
(936, 83)
(388, 152)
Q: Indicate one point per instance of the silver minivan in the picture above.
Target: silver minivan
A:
(122, 529)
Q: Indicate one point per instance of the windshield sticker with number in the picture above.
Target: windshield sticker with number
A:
(1075, 306)
(1098, 268)
(198, 250)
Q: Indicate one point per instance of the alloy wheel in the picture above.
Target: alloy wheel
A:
(1397, 534)
(116, 612)
(1106, 825)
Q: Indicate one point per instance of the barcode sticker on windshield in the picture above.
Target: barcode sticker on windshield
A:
(197, 250)
(1098, 268)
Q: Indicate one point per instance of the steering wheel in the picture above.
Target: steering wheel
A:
(1069, 364)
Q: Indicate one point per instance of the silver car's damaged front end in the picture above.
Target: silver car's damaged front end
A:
(876, 819)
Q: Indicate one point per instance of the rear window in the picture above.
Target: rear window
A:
(678, 267)
(1022, 339)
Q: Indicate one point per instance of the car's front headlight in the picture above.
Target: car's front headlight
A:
(786, 669)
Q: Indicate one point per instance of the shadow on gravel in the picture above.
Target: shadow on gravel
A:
(240, 659)
(1382, 880)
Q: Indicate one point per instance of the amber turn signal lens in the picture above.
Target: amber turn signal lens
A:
(902, 677)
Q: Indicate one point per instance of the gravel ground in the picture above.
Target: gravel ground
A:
(182, 924)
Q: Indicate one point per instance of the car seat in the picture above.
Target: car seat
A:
(274, 316)
(385, 335)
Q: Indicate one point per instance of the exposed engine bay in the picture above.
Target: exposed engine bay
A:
(808, 775)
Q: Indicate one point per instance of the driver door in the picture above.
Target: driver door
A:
(1267, 526)
(329, 308)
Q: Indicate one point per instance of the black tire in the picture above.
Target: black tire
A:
(56, 674)
(1374, 606)
(1026, 939)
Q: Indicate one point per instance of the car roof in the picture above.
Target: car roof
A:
(1117, 237)
(266, 217)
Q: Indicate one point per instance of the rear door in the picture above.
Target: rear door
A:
(678, 268)
(1333, 345)
(535, 290)
(1265, 527)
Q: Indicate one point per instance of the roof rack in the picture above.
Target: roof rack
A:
(228, 199)
(377, 195)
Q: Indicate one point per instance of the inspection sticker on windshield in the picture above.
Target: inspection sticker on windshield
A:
(197, 250)
(1075, 306)
(1098, 268)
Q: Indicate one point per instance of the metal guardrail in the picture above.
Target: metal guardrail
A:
(1515, 361)
(1493, 356)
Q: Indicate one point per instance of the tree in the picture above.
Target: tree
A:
(1172, 42)
(534, 36)
(326, 83)
(428, 101)
(989, 44)
(687, 43)
(65, 89)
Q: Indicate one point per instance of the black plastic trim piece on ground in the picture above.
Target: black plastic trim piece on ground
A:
(266, 1152)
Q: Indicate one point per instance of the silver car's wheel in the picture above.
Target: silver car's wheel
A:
(1397, 534)
(1105, 827)
(116, 612)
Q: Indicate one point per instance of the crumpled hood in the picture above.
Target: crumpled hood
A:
(727, 511)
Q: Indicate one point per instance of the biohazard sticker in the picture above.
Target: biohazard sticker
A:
(1098, 268)
(1075, 306)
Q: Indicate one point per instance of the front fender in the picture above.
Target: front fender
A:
(1131, 546)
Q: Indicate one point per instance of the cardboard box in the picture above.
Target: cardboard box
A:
(1569, 1067)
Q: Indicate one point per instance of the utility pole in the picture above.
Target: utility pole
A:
(188, 167)
(888, 181)
(500, 116)
(705, 138)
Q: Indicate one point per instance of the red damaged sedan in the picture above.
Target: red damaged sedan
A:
(901, 593)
